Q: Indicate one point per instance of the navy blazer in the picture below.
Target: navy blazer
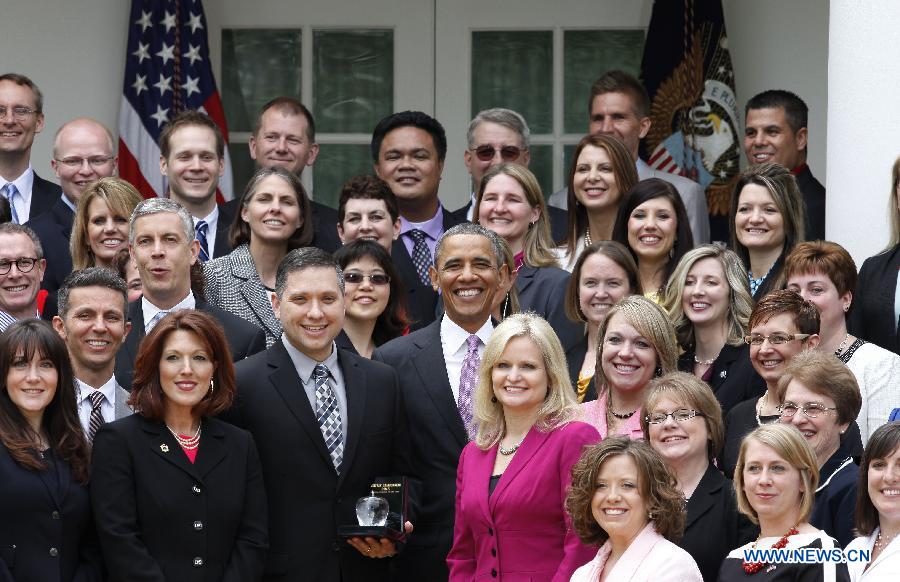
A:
(308, 500)
(53, 229)
(872, 317)
(46, 529)
(244, 339)
(835, 506)
(438, 437)
(162, 518)
(543, 291)
(733, 380)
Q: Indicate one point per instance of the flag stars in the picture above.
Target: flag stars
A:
(144, 21)
(142, 52)
(191, 85)
(193, 54)
(166, 53)
(140, 84)
(161, 115)
(194, 22)
(164, 84)
(169, 21)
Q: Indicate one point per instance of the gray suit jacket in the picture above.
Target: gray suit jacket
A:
(691, 192)
(233, 284)
(121, 406)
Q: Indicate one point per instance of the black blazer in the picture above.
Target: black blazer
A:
(325, 219)
(872, 317)
(575, 358)
(308, 500)
(835, 506)
(53, 229)
(438, 437)
(559, 220)
(244, 339)
(421, 300)
(713, 525)
(733, 377)
(543, 291)
(162, 518)
(46, 529)
(44, 194)
(814, 197)
(227, 213)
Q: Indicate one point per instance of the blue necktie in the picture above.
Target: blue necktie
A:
(200, 228)
(10, 192)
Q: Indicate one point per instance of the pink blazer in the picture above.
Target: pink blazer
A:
(594, 413)
(521, 532)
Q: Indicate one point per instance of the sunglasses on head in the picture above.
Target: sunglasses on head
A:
(486, 153)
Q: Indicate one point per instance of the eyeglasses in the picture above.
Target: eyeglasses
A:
(24, 264)
(776, 339)
(811, 410)
(375, 279)
(18, 112)
(94, 161)
(679, 415)
(486, 153)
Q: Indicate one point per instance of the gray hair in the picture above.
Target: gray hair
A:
(91, 277)
(500, 116)
(302, 259)
(13, 228)
(473, 229)
(153, 206)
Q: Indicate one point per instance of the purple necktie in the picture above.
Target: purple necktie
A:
(468, 379)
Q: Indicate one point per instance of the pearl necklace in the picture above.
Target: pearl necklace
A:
(754, 567)
(187, 443)
(881, 543)
(507, 452)
(587, 237)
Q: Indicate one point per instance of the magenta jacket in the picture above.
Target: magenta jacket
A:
(521, 532)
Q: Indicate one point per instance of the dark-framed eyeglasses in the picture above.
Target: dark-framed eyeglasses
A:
(94, 161)
(374, 279)
(776, 339)
(810, 410)
(680, 415)
(486, 153)
(18, 112)
(23, 264)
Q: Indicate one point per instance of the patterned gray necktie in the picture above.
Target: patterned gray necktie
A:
(421, 255)
(468, 379)
(329, 416)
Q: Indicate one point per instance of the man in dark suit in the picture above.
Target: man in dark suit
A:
(91, 320)
(326, 423)
(164, 249)
(501, 135)
(21, 118)
(285, 135)
(469, 270)
(776, 132)
(192, 158)
(83, 152)
(408, 149)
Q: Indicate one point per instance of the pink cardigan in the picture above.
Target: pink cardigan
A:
(521, 532)
(594, 413)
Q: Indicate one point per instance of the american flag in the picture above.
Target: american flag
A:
(167, 70)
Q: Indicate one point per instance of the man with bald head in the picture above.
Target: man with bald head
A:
(83, 152)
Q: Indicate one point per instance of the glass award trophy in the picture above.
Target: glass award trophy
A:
(382, 513)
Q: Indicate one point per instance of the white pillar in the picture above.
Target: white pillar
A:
(863, 122)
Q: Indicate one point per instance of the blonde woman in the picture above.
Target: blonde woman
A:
(101, 224)
(513, 478)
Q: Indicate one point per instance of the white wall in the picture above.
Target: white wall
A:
(75, 52)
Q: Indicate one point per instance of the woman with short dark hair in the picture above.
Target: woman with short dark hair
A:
(173, 488)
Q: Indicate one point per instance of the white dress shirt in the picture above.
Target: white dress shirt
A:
(107, 408)
(151, 310)
(212, 221)
(453, 343)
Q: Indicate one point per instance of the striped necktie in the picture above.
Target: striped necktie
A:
(96, 419)
(201, 229)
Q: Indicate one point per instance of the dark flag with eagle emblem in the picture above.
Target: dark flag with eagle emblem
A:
(687, 72)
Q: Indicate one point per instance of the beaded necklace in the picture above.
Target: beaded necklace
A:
(754, 567)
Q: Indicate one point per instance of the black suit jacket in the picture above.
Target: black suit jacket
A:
(44, 195)
(421, 300)
(54, 228)
(40, 510)
(733, 378)
(158, 514)
(227, 213)
(244, 339)
(308, 500)
(713, 525)
(543, 291)
(559, 220)
(872, 317)
(325, 219)
(814, 196)
(438, 437)
(575, 358)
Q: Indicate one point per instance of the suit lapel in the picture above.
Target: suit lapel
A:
(533, 442)
(286, 382)
(703, 497)
(525, 278)
(164, 445)
(56, 486)
(121, 409)
(428, 361)
(484, 468)
(252, 290)
(212, 448)
(356, 388)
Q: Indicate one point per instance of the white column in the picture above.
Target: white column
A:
(863, 122)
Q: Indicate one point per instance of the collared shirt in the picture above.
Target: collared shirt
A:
(67, 202)
(471, 212)
(305, 365)
(151, 310)
(7, 320)
(433, 227)
(23, 184)
(83, 401)
(455, 346)
(212, 220)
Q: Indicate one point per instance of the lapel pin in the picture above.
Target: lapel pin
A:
(164, 448)
(723, 374)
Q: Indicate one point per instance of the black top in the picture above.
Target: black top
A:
(492, 483)
(732, 568)
(835, 505)
(872, 317)
(733, 378)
